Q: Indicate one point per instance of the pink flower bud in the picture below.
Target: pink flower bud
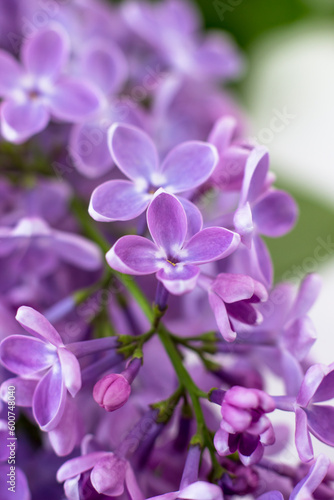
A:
(112, 391)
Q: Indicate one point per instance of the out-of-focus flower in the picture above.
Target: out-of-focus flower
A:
(37, 90)
(306, 487)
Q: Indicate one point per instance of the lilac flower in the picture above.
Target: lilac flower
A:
(113, 390)
(316, 387)
(173, 259)
(231, 298)
(199, 490)
(170, 28)
(262, 209)
(244, 426)
(21, 487)
(286, 334)
(37, 90)
(37, 248)
(185, 167)
(233, 154)
(176, 119)
(307, 486)
(109, 475)
(105, 66)
(45, 355)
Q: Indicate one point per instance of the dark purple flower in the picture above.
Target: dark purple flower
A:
(232, 298)
(37, 90)
(245, 426)
(169, 255)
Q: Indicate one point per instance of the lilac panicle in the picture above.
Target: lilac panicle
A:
(174, 260)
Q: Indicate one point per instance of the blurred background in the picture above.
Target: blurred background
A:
(289, 74)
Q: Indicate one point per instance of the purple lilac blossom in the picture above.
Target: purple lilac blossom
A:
(131, 376)
(245, 426)
(37, 90)
(186, 167)
(169, 255)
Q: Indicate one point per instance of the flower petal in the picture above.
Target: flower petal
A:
(78, 465)
(108, 475)
(133, 151)
(36, 324)
(302, 437)
(71, 372)
(24, 390)
(308, 293)
(256, 170)
(20, 121)
(45, 53)
(320, 420)
(24, 355)
(117, 200)
(312, 480)
(89, 149)
(105, 65)
(66, 435)
(221, 442)
(233, 287)
(213, 243)
(167, 222)
(312, 381)
(72, 100)
(10, 73)
(189, 165)
(77, 250)
(49, 399)
(223, 322)
(194, 217)
(201, 490)
(275, 214)
(179, 279)
(21, 485)
(223, 132)
(134, 255)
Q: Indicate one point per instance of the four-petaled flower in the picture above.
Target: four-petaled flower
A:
(174, 259)
(186, 167)
(42, 355)
(36, 90)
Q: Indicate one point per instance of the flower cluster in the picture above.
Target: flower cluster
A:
(133, 211)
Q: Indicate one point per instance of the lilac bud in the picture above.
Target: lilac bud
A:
(112, 391)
